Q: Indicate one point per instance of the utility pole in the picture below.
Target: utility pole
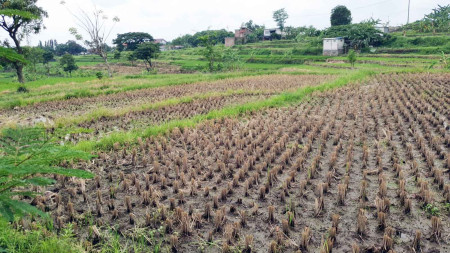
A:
(409, 5)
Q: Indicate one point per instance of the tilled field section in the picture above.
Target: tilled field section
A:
(79, 106)
(353, 170)
(143, 119)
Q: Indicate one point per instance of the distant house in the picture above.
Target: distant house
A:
(240, 36)
(270, 31)
(162, 44)
(395, 29)
(333, 46)
(383, 29)
(160, 41)
(242, 33)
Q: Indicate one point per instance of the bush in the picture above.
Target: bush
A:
(99, 75)
(358, 36)
(428, 41)
(22, 89)
(352, 57)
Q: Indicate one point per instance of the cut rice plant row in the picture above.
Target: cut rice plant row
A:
(76, 107)
(364, 168)
(136, 120)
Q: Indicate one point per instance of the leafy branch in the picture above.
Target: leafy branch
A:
(28, 156)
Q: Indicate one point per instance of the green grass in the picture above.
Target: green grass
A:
(66, 90)
(107, 113)
(9, 85)
(37, 240)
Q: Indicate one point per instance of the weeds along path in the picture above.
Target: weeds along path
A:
(356, 167)
(77, 107)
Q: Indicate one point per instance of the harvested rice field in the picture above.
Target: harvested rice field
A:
(363, 167)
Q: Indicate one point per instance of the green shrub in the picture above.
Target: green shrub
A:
(424, 41)
(99, 75)
(22, 89)
(352, 57)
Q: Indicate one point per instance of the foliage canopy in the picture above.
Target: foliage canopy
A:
(146, 52)
(340, 15)
(280, 16)
(130, 41)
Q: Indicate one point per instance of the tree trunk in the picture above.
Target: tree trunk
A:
(19, 71)
(17, 65)
(105, 58)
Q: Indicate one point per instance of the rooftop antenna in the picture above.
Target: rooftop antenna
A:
(409, 5)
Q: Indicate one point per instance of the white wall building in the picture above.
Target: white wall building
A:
(333, 46)
(383, 29)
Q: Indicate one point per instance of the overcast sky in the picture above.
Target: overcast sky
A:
(170, 18)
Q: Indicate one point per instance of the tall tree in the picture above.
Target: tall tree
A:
(71, 47)
(146, 51)
(68, 63)
(34, 55)
(218, 36)
(209, 51)
(48, 56)
(280, 16)
(96, 26)
(131, 40)
(340, 15)
(20, 18)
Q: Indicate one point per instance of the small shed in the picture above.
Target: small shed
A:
(333, 46)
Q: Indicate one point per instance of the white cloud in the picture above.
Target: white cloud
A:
(171, 18)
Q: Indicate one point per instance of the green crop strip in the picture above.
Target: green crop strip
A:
(107, 113)
(64, 91)
(284, 99)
